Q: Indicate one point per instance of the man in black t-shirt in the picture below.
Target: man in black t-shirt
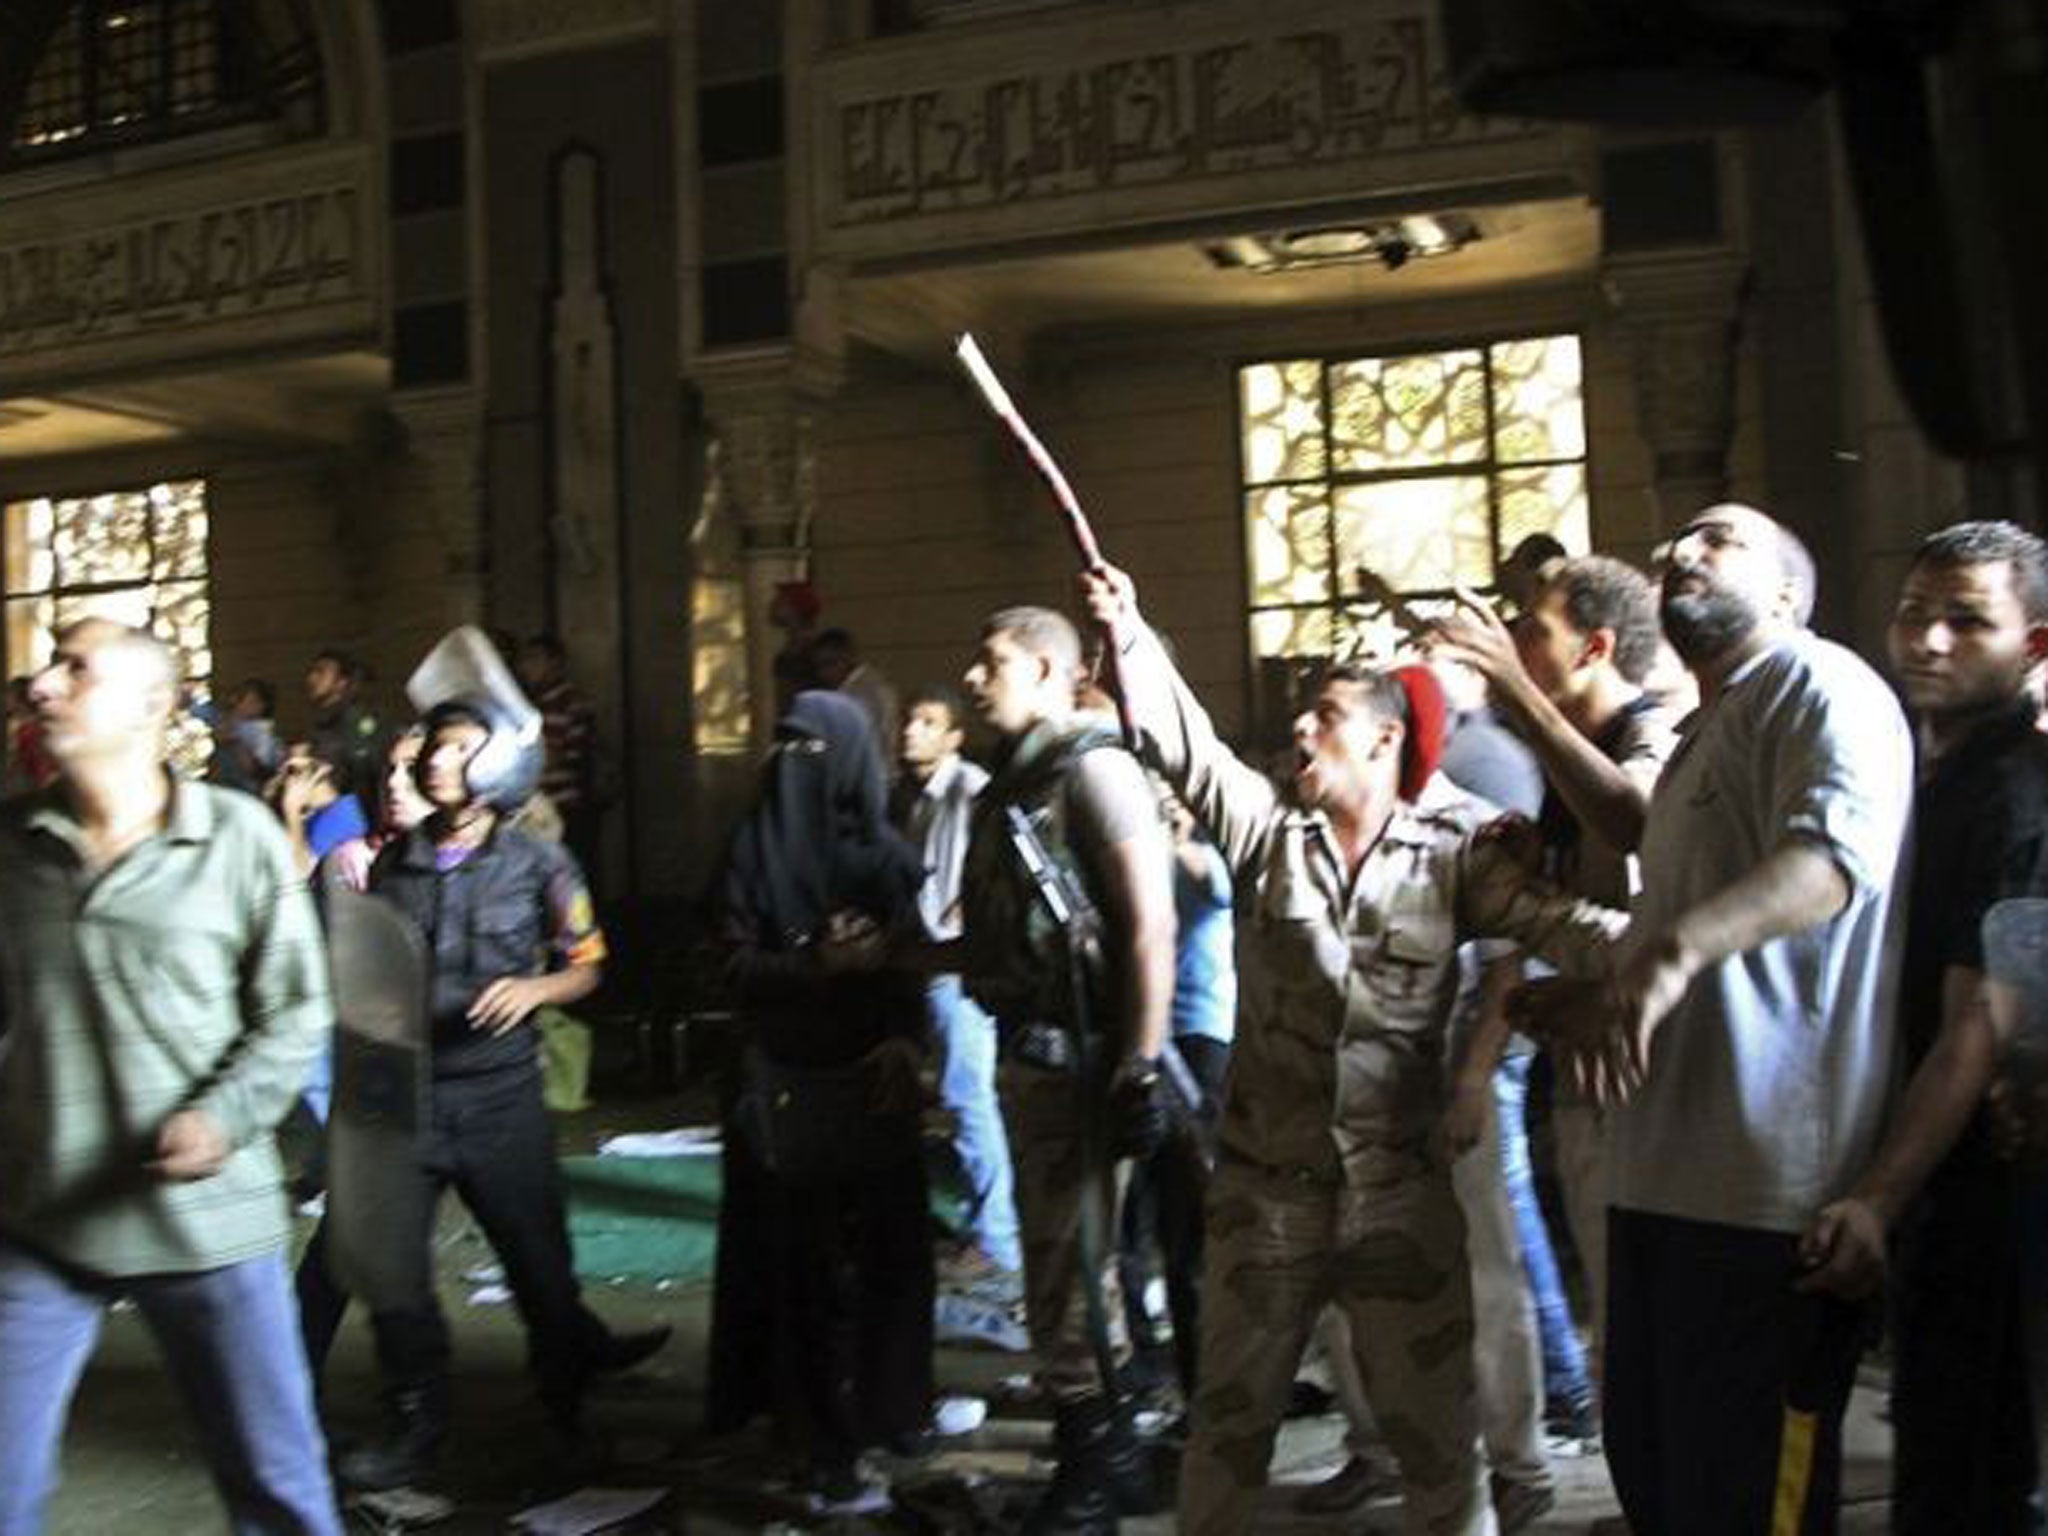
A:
(1969, 632)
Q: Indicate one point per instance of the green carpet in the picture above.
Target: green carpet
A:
(656, 1218)
(643, 1218)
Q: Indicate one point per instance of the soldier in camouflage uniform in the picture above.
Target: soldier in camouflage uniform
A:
(1079, 1096)
(1334, 1182)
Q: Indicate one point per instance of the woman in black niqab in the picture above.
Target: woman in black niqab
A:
(818, 844)
(824, 1267)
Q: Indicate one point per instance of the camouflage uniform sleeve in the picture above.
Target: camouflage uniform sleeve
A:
(1235, 802)
(1498, 899)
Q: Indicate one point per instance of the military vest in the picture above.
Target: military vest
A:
(1020, 962)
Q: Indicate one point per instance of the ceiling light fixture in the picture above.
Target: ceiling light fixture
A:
(1393, 243)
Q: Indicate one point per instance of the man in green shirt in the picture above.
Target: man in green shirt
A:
(163, 992)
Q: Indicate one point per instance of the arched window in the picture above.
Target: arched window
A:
(134, 71)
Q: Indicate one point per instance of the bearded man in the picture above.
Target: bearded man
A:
(1750, 1030)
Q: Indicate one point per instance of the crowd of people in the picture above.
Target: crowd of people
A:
(1644, 851)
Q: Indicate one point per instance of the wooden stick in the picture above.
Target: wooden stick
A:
(969, 352)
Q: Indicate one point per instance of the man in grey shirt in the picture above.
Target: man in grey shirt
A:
(1749, 1029)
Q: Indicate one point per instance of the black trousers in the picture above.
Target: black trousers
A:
(323, 1301)
(821, 1308)
(1961, 1409)
(1725, 1387)
(1163, 1204)
(490, 1141)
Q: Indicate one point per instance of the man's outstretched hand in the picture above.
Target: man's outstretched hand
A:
(1475, 635)
(1603, 1029)
(1109, 597)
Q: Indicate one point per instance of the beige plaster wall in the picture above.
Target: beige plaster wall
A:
(307, 553)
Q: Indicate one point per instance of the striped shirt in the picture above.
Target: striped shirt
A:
(189, 974)
(568, 727)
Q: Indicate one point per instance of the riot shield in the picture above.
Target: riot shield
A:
(378, 1208)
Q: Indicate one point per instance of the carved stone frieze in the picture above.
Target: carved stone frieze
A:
(999, 121)
(278, 248)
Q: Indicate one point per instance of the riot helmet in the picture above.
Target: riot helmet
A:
(464, 679)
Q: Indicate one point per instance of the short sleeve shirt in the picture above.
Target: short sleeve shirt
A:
(1769, 1081)
(1205, 965)
(1638, 740)
(573, 936)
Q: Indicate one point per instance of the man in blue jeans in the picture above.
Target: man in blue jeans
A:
(1571, 676)
(163, 992)
(1511, 1350)
(935, 804)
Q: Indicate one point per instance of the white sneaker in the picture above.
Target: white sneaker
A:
(849, 1493)
(959, 1416)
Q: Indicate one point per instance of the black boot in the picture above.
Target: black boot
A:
(416, 1423)
(1127, 1462)
(1081, 1500)
(616, 1352)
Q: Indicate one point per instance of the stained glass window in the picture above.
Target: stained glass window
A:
(138, 557)
(719, 665)
(1414, 474)
(122, 71)
(721, 701)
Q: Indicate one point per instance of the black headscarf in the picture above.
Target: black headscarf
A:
(819, 840)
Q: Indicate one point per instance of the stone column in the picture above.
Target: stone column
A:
(759, 409)
(1681, 312)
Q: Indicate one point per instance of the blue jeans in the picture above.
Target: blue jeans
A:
(1566, 1384)
(230, 1337)
(967, 1087)
(318, 1094)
